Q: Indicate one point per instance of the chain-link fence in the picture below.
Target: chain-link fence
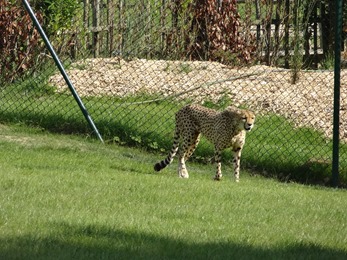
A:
(135, 63)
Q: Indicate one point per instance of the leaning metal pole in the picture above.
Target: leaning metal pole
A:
(337, 79)
(61, 68)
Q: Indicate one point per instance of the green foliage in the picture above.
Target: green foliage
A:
(328, 62)
(59, 15)
(302, 11)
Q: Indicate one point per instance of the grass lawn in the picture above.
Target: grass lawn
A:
(64, 197)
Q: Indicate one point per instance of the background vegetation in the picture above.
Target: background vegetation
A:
(17, 42)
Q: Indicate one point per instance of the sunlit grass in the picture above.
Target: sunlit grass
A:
(65, 197)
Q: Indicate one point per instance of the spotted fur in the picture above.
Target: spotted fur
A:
(224, 129)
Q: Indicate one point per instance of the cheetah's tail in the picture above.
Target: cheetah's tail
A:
(162, 164)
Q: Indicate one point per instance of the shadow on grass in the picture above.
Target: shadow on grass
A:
(98, 242)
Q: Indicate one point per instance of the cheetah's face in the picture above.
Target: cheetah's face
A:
(248, 119)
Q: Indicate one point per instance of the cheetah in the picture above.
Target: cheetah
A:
(224, 129)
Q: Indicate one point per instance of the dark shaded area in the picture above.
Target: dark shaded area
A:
(309, 173)
(53, 123)
(100, 242)
(112, 132)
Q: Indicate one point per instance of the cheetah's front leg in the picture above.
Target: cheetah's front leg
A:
(236, 162)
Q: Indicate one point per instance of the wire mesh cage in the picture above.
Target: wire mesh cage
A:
(135, 63)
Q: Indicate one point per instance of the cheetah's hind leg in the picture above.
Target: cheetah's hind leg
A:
(182, 169)
(194, 143)
(190, 141)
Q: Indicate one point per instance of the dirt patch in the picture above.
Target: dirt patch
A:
(23, 140)
(309, 102)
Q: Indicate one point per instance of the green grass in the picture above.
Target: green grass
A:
(65, 197)
(275, 147)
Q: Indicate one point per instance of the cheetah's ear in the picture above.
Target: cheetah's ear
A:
(233, 112)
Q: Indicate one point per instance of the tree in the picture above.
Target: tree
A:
(18, 41)
(218, 36)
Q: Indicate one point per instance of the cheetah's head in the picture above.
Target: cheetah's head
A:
(247, 119)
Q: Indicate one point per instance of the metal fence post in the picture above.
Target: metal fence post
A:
(61, 68)
(337, 72)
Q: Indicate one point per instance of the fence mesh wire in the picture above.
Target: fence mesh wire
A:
(135, 63)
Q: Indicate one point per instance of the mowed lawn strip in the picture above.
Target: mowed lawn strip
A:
(66, 197)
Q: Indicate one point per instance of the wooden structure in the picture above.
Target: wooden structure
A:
(106, 24)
